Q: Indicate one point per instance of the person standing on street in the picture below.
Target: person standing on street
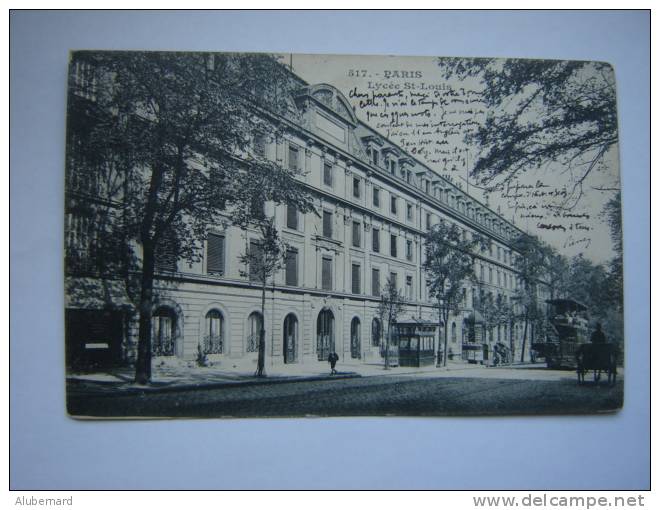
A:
(332, 359)
(598, 337)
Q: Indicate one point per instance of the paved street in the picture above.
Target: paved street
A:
(375, 395)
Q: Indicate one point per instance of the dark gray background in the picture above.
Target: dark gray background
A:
(49, 450)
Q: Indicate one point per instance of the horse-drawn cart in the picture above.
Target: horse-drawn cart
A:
(599, 358)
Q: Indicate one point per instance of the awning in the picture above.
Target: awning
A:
(95, 293)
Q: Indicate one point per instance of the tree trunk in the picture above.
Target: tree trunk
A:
(143, 365)
(444, 354)
(522, 350)
(262, 333)
(437, 363)
(387, 344)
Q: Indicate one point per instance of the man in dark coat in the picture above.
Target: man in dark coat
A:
(332, 359)
(598, 337)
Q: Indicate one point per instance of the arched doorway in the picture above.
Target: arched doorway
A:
(253, 330)
(376, 332)
(325, 334)
(290, 338)
(163, 332)
(355, 338)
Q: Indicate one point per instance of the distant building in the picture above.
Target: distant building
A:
(375, 203)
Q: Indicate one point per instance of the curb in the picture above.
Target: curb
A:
(210, 386)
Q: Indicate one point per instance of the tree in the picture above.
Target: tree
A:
(389, 309)
(612, 212)
(182, 129)
(449, 264)
(538, 112)
(264, 258)
(531, 265)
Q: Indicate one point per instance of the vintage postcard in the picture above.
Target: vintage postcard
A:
(252, 235)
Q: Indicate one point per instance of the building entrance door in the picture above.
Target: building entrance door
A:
(290, 338)
(355, 338)
(325, 334)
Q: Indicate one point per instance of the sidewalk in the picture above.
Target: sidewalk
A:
(179, 375)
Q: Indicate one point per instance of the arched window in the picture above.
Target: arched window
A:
(453, 332)
(376, 332)
(213, 332)
(253, 329)
(163, 331)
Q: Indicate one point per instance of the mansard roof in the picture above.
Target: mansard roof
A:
(332, 99)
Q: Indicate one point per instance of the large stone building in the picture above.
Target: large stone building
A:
(375, 203)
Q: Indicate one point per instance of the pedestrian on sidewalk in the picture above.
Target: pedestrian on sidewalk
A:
(332, 359)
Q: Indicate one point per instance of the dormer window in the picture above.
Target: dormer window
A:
(374, 156)
(392, 165)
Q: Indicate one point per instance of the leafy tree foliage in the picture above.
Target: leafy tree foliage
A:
(538, 112)
(449, 264)
(179, 130)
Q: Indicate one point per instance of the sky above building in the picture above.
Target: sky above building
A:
(410, 101)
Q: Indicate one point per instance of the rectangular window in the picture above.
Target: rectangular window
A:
(255, 265)
(393, 279)
(499, 279)
(258, 208)
(260, 145)
(409, 212)
(356, 234)
(292, 217)
(464, 296)
(392, 245)
(327, 224)
(499, 253)
(293, 157)
(375, 240)
(166, 254)
(326, 273)
(428, 221)
(355, 272)
(490, 275)
(215, 254)
(356, 187)
(393, 166)
(409, 287)
(375, 282)
(376, 197)
(481, 273)
(474, 298)
(327, 173)
(393, 205)
(427, 186)
(292, 267)
(409, 250)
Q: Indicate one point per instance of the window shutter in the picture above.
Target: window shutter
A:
(292, 267)
(215, 254)
(356, 279)
(326, 274)
(327, 224)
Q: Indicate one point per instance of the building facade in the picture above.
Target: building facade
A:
(374, 203)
